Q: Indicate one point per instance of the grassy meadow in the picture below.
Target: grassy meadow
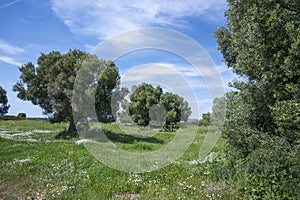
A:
(36, 165)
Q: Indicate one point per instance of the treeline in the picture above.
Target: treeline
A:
(50, 85)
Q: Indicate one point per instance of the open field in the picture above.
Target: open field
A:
(35, 165)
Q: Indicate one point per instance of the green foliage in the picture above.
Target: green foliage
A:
(50, 85)
(272, 90)
(22, 115)
(142, 98)
(107, 83)
(261, 40)
(261, 43)
(149, 104)
(269, 172)
(3, 102)
(171, 127)
(206, 117)
(176, 107)
(286, 117)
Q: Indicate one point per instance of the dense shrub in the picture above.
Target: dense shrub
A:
(271, 171)
(206, 117)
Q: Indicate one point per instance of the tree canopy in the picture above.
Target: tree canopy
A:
(148, 103)
(3, 102)
(50, 84)
(205, 120)
(108, 83)
(142, 98)
(261, 43)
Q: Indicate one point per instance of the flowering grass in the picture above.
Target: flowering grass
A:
(35, 165)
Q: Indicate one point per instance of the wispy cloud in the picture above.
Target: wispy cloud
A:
(156, 73)
(9, 60)
(8, 3)
(164, 75)
(173, 78)
(8, 48)
(10, 53)
(104, 18)
(167, 71)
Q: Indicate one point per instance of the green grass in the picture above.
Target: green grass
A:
(36, 165)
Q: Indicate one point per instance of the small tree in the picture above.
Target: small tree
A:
(3, 102)
(146, 98)
(205, 119)
(176, 107)
(143, 97)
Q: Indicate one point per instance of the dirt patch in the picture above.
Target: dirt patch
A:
(127, 196)
(10, 192)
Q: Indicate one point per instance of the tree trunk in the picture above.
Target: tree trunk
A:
(72, 126)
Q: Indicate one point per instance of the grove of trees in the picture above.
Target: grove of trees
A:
(261, 42)
(3, 102)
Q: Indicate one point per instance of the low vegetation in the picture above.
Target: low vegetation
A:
(35, 165)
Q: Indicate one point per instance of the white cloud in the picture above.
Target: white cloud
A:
(104, 18)
(176, 74)
(164, 75)
(177, 78)
(9, 3)
(161, 72)
(9, 60)
(8, 48)
(156, 73)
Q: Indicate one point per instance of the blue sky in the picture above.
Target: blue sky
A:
(29, 27)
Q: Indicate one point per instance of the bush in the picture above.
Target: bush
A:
(22, 115)
(271, 171)
(206, 117)
(286, 116)
(172, 127)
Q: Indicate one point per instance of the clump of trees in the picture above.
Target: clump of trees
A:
(3, 102)
(262, 126)
(50, 84)
(149, 104)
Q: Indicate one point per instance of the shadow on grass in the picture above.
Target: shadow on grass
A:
(129, 139)
(66, 135)
(111, 135)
